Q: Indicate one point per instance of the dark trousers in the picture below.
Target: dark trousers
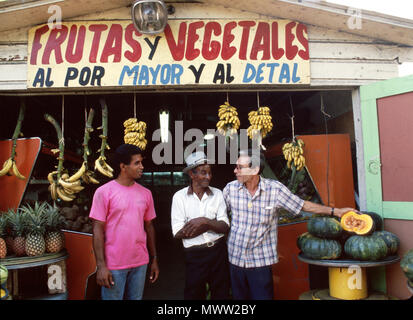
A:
(251, 283)
(207, 265)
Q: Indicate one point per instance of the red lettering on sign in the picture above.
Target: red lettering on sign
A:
(55, 40)
(191, 52)
(277, 52)
(290, 49)
(304, 54)
(97, 29)
(113, 44)
(134, 55)
(210, 49)
(227, 50)
(177, 48)
(75, 57)
(246, 26)
(36, 46)
(261, 42)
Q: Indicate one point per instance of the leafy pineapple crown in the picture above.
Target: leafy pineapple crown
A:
(17, 222)
(36, 219)
(53, 219)
(3, 224)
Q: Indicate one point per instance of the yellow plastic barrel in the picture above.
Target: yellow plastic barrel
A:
(348, 283)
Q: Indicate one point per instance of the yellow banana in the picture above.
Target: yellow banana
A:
(69, 185)
(101, 169)
(79, 173)
(63, 195)
(6, 167)
(53, 192)
(16, 171)
(92, 179)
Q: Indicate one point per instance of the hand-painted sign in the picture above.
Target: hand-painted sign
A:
(113, 53)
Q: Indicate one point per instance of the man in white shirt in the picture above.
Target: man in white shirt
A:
(199, 218)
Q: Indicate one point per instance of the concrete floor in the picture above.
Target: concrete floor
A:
(171, 281)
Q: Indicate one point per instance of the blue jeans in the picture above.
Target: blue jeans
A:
(129, 284)
(251, 283)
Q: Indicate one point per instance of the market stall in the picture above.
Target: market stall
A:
(224, 67)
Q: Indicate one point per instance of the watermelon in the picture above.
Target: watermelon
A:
(320, 249)
(324, 227)
(3, 274)
(392, 241)
(365, 248)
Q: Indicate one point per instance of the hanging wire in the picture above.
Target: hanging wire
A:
(292, 118)
(227, 97)
(325, 115)
(62, 141)
(258, 99)
(134, 104)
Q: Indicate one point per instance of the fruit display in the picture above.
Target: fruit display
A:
(76, 220)
(407, 265)
(84, 172)
(17, 223)
(360, 224)
(55, 222)
(294, 154)
(324, 227)
(3, 274)
(35, 229)
(35, 244)
(100, 163)
(320, 249)
(9, 166)
(228, 119)
(366, 248)
(60, 186)
(135, 132)
(261, 121)
(391, 240)
(3, 246)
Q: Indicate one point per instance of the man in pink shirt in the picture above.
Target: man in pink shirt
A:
(123, 233)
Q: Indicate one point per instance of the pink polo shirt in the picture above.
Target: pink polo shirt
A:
(124, 209)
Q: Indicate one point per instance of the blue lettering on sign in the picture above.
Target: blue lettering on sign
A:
(284, 74)
(144, 75)
(165, 74)
(272, 66)
(248, 78)
(134, 71)
(295, 78)
(271, 72)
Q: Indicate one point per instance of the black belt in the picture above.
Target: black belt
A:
(209, 244)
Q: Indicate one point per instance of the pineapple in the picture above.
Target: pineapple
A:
(17, 222)
(9, 238)
(3, 248)
(35, 244)
(54, 237)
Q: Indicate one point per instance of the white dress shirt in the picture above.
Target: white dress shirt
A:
(186, 206)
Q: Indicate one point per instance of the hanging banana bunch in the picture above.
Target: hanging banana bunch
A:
(294, 154)
(9, 166)
(228, 119)
(261, 122)
(84, 173)
(60, 186)
(135, 133)
(100, 163)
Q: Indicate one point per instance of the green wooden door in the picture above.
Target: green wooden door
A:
(376, 162)
(387, 126)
